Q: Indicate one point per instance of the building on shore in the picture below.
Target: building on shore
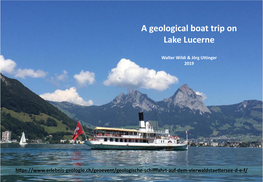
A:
(214, 144)
(6, 136)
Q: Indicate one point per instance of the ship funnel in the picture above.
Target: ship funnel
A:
(141, 116)
(141, 120)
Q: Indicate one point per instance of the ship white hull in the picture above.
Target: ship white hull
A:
(97, 145)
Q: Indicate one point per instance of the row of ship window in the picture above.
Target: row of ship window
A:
(125, 140)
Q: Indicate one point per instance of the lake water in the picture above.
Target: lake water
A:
(52, 162)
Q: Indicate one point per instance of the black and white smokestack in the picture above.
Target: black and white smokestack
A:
(141, 116)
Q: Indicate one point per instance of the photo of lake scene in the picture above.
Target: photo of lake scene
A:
(131, 91)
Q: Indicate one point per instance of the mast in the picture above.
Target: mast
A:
(186, 137)
(23, 139)
(155, 118)
(121, 117)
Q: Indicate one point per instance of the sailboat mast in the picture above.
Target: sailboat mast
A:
(23, 139)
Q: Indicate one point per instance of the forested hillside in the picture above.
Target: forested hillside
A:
(23, 110)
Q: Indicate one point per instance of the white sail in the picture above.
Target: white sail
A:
(23, 139)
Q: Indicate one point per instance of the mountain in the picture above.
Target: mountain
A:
(135, 99)
(23, 110)
(244, 117)
(183, 111)
(185, 97)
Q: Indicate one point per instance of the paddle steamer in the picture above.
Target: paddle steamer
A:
(145, 138)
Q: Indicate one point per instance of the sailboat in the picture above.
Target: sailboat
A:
(23, 139)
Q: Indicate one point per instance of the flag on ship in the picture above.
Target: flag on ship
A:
(78, 131)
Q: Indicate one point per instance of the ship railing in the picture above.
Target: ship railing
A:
(117, 135)
(130, 136)
(167, 138)
(107, 135)
(121, 136)
(160, 131)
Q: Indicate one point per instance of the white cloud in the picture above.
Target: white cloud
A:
(59, 78)
(69, 95)
(8, 66)
(85, 77)
(129, 75)
(63, 77)
(22, 73)
(202, 94)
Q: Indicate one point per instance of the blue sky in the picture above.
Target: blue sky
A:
(73, 50)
